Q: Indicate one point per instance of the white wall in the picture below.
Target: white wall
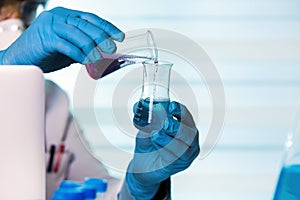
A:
(256, 48)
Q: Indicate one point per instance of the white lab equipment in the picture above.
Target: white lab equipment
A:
(76, 163)
(22, 148)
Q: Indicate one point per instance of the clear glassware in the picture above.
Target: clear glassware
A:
(134, 49)
(155, 93)
(288, 185)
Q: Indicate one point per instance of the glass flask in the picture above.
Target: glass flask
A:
(155, 99)
(288, 185)
(136, 48)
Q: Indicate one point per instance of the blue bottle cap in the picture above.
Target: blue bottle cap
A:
(89, 192)
(70, 184)
(68, 194)
(99, 184)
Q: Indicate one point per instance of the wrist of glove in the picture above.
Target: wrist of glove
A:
(140, 189)
(135, 191)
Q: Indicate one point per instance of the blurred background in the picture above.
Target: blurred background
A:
(255, 46)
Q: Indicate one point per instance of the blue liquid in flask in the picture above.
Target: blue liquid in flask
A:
(146, 109)
(288, 186)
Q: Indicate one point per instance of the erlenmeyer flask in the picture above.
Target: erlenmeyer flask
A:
(288, 185)
(136, 48)
(155, 96)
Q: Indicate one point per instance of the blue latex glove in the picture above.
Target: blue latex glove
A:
(167, 145)
(60, 37)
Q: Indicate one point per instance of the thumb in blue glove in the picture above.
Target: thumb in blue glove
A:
(60, 37)
(160, 153)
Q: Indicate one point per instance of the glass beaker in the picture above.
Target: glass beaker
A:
(136, 48)
(155, 99)
(288, 185)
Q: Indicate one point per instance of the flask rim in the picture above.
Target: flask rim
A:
(159, 63)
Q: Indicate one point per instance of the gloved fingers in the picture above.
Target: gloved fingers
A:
(180, 131)
(68, 49)
(135, 107)
(181, 113)
(94, 32)
(106, 26)
(138, 120)
(80, 40)
(171, 126)
(111, 30)
(169, 148)
(146, 119)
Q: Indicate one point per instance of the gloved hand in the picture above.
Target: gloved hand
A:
(60, 37)
(167, 145)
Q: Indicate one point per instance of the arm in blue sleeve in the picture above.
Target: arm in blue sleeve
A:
(60, 37)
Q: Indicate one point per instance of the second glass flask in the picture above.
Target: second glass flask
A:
(288, 184)
(153, 105)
